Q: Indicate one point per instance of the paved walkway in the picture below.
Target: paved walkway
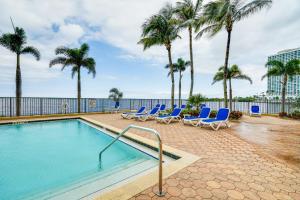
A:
(232, 166)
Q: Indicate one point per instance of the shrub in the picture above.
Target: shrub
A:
(283, 114)
(235, 115)
(213, 114)
(189, 112)
(295, 114)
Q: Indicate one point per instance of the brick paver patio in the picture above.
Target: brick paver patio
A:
(230, 167)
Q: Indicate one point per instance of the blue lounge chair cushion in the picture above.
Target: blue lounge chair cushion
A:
(255, 109)
(205, 111)
(202, 105)
(152, 112)
(162, 107)
(222, 115)
(183, 106)
(211, 120)
(141, 110)
(176, 112)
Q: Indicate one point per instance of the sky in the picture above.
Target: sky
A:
(112, 30)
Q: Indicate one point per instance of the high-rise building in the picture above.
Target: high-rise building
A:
(274, 82)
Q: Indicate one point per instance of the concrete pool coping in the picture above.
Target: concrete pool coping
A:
(129, 188)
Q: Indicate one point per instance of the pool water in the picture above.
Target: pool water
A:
(42, 157)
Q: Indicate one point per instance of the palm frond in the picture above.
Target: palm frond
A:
(31, 50)
(57, 61)
(61, 50)
(219, 76)
(251, 8)
(14, 41)
(84, 48)
(274, 71)
(211, 29)
(74, 71)
(275, 63)
(115, 94)
(160, 29)
(89, 64)
(293, 67)
(6, 40)
(243, 77)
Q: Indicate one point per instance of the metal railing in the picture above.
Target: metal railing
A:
(49, 106)
(160, 152)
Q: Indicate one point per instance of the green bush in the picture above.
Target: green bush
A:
(283, 114)
(213, 114)
(295, 114)
(235, 115)
(189, 112)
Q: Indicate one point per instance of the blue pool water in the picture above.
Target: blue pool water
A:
(44, 156)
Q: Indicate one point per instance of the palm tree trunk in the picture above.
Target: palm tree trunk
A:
(18, 87)
(283, 93)
(78, 90)
(191, 60)
(172, 75)
(179, 87)
(226, 67)
(230, 95)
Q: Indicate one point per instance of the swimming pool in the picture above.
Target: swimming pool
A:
(41, 160)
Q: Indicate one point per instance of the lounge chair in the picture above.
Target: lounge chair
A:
(157, 105)
(130, 115)
(174, 106)
(162, 108)
(174, 116)
(151, 115)
(116, 108)
(195, 120)
(255, 111)
(221, 119)
(183, 106)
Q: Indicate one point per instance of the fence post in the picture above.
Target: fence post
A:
(10, 106)
(267, 106)
(41, 106)
(248, 109)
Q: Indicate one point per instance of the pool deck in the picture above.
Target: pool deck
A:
(233, 165)
(257, 158)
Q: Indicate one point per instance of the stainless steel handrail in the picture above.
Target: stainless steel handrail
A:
(160, 151)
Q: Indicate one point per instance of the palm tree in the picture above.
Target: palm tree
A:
(16, 42)
(77, 58)
(161, 29)
(179, 67)
(286, 71)
(234, 72)
(115, 94)
(220, 14)
(187, 14)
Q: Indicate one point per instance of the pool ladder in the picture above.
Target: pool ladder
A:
(160, 152)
